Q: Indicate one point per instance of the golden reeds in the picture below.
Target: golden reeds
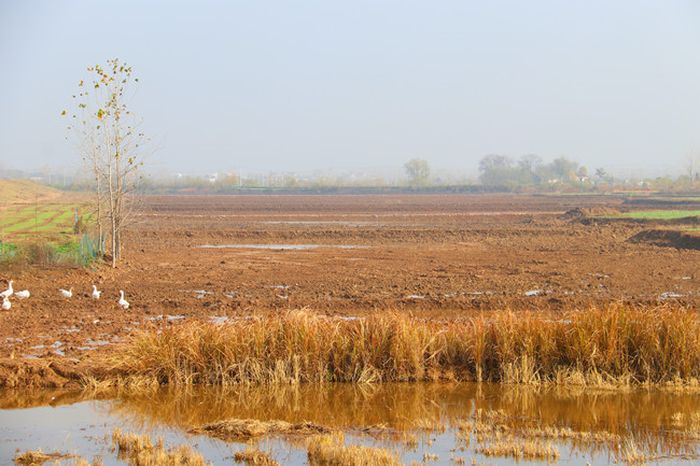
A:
(253, 456)
(139, 450)
(532, 450)
(37, 457)
(616, 345)
(244, 429)
(330, 450)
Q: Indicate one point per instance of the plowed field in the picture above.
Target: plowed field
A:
(442, 256)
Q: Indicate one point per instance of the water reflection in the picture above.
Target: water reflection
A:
(663, 424)
(403, 405)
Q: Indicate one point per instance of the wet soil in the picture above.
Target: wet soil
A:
(433, 255)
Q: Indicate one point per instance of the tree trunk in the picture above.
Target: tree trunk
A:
(112, 214)
(98, 210)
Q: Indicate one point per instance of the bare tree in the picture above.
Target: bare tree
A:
(418, 171)
(111, 144)
(692, 166)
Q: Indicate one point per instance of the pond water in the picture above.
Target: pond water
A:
(435, 423)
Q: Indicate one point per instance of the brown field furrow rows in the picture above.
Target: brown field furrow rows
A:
(444, 265)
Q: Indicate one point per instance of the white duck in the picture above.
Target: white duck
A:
(6, 304)
(9, 291)
(24, 294)
(123, 302)
(95, 292)
(66, 293)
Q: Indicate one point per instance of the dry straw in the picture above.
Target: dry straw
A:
(615, 345)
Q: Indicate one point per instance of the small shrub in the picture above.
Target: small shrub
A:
(71, 253)
(79, 225)
(8, 252)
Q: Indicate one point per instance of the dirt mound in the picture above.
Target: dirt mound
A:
(244, 429)
(667, 238)
(587, 212)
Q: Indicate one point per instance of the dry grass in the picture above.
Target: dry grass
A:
(632, 455)
(494, 425)
(330, 450)
(253, 456)
(139, 450)
(531, 450)
(613, 346)
(37, 457)
(83, 462)
(244, 429)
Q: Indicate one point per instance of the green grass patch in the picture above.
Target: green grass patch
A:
(79, 252)
(659, 214)
(48, 220)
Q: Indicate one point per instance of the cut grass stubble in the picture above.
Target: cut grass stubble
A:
(611, 346)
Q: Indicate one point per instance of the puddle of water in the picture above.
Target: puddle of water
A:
(167, 317)
(218, 320)
(662, 424)
(281, 247)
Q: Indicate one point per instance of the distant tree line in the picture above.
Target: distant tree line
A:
(531, 170)
(528, 173)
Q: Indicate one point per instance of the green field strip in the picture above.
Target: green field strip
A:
(31, 223)
(57, 220)
(659, 214)
(21, 215)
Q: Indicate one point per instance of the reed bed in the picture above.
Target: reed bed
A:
(519, 450)
(245, 429)
(37, 457)
(253, 456)
(615, 345)
(139, 450)
(331, 450)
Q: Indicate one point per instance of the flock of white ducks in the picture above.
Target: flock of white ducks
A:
(24, 294)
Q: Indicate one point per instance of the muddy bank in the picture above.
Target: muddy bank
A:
(668, 238)
(45, 373)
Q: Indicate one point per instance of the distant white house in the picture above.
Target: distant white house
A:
(213, 177)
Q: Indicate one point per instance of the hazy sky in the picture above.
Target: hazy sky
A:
(261, 85)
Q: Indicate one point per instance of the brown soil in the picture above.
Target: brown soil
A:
(437, 255)
(588, 212)
(669, 238)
